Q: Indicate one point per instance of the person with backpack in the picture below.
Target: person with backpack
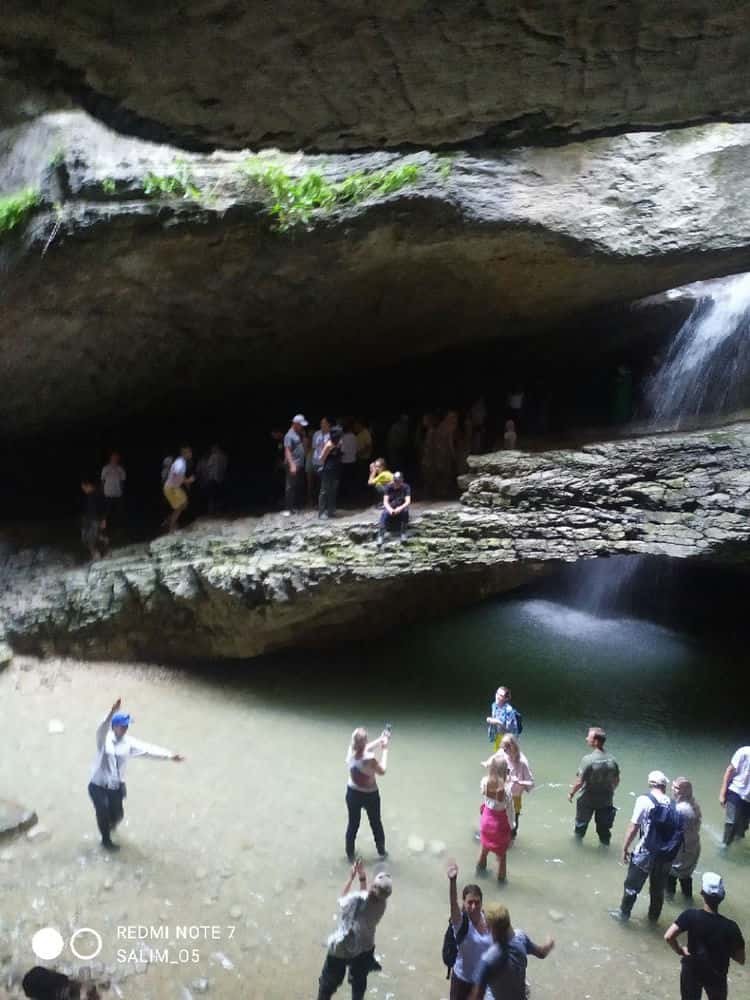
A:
(656, 818)
(712, 941)
(503, 718)
(503, 965)
(467, 936)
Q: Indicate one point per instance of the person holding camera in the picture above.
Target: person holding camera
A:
(365, 761)
(352, 944)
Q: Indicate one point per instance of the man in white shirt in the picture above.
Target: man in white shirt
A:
(645, 862)
(114, 747)
(352, 944)
(735, 796)
(113, 480)
(174, 491)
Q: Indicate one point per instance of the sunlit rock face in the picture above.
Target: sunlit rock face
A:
(253, 586)
(354, 75)
(113, 297)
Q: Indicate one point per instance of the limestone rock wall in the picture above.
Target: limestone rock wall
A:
(112, 296)
(350, 74)
(246, 588)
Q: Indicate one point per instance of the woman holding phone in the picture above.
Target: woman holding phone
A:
(365, 761)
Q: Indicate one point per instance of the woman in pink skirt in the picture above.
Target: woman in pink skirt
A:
(498, 816)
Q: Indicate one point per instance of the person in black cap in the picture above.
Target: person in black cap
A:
(396, 502)
(107, 786)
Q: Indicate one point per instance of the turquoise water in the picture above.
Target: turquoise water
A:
(248, 832)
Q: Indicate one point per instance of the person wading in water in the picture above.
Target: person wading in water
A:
(362, 788)
(107, 786)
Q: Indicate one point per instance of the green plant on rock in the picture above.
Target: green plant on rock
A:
(294, 199)
(109, 186)
(15, 208)
(179, 184)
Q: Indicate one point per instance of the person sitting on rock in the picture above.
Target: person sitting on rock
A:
(395, 513)
(380, 477)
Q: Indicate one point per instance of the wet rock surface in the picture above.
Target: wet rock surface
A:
(350, 76)
(241, 589)
(14, 818)
(151, 298)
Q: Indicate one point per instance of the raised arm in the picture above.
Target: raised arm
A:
(358, 869)
(103, 727)
(728, 775)
(451, 870)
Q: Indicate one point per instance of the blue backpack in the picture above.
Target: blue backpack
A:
(665, 832)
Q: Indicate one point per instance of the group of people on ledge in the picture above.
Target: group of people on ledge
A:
(335, 464)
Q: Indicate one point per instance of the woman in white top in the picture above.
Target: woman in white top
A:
(473, 936)
(498, 816)
(520, 778)
(684, 863)
(362, 787)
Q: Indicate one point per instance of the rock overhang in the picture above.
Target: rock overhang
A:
(351, 76)
(119, 291)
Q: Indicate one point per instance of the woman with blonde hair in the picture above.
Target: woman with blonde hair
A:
(684, 863)
(497, 816)
(520, 778)
(503, 966)
(362, 787)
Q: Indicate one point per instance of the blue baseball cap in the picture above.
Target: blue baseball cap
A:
(121, 719)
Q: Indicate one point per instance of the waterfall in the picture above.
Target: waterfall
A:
(709, 359)
(704, 374)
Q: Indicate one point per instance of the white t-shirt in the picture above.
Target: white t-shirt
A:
(348, 448)
(470, 952)
(741, 781)
(177, 473)
(113, 476)
(642, 819)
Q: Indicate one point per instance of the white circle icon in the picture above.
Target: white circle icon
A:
(47, 943)
(97, 948)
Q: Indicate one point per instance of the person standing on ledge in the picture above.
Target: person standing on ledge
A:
(712, 942)
(598, 775)
(107, 786)
(174, 491)
(503, 718)
(735, 796)
(294, 464)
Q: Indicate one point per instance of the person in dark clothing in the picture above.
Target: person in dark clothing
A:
(330, 472)
(93, 520)
(46, 984)
(365, 762)
(294, 461)
(395, 513)
(598, 775)
(712, 942)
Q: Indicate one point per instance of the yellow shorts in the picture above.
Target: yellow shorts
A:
(176, 496)
(517, 799)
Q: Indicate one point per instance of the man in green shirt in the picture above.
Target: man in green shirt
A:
(598, 775)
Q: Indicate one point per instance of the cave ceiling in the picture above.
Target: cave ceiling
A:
(348, 75)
